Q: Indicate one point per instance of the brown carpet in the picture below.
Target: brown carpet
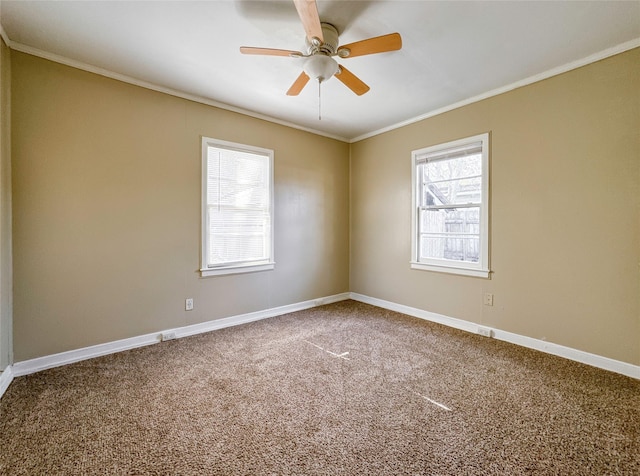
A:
(342, 389)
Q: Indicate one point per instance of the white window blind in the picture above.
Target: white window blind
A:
(238, 218)
(450, 223)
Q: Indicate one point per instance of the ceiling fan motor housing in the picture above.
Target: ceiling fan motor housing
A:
(330, 44)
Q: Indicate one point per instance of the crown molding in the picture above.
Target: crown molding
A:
(621, 48)
(156, 87)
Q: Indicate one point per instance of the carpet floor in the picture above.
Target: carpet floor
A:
(342, 389)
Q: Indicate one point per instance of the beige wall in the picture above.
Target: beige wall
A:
(5, 208)
(106, 210)
(106, 205)
(565, 212)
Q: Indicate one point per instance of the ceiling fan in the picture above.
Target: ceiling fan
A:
(322, 46)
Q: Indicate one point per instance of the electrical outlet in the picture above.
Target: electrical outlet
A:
(168, 335)
(488, 299)
(188, 304)
(485, 331)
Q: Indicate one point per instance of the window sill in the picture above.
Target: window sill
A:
(474, 272)
(237, 269)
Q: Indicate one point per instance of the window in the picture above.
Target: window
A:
(450, 217)
(237, 208)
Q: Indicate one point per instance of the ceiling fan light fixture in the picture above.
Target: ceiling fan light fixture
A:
(322, 44)
(320, 67)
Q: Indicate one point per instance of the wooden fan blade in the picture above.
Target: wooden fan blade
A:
(308, 12)
(379, 44)
(351, 81)
(298, 84)
(250, 50)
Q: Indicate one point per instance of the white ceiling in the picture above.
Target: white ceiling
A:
(453, 52)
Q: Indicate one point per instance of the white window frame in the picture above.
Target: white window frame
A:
(236, 267)
(480, 269)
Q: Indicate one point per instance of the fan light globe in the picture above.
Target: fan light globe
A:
(320, 67)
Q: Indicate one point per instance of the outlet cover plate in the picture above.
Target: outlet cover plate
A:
(168, 335)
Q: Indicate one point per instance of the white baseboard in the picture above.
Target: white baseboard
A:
(594, 360)
(31, 366)
(256, 316)
(6, 377)
(56, 360)
(415, 312)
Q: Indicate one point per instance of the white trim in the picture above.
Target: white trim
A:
(162, 89)
(424, 155)
(476, 273)
(419, 313)
(570, 353)
(6, 377)
(56, 360)
(256, 316)
(621, 48)
(243, 267)
(252, 268)
(594, 360)
(27, 367)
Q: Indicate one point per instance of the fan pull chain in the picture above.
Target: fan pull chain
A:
(319, 101)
